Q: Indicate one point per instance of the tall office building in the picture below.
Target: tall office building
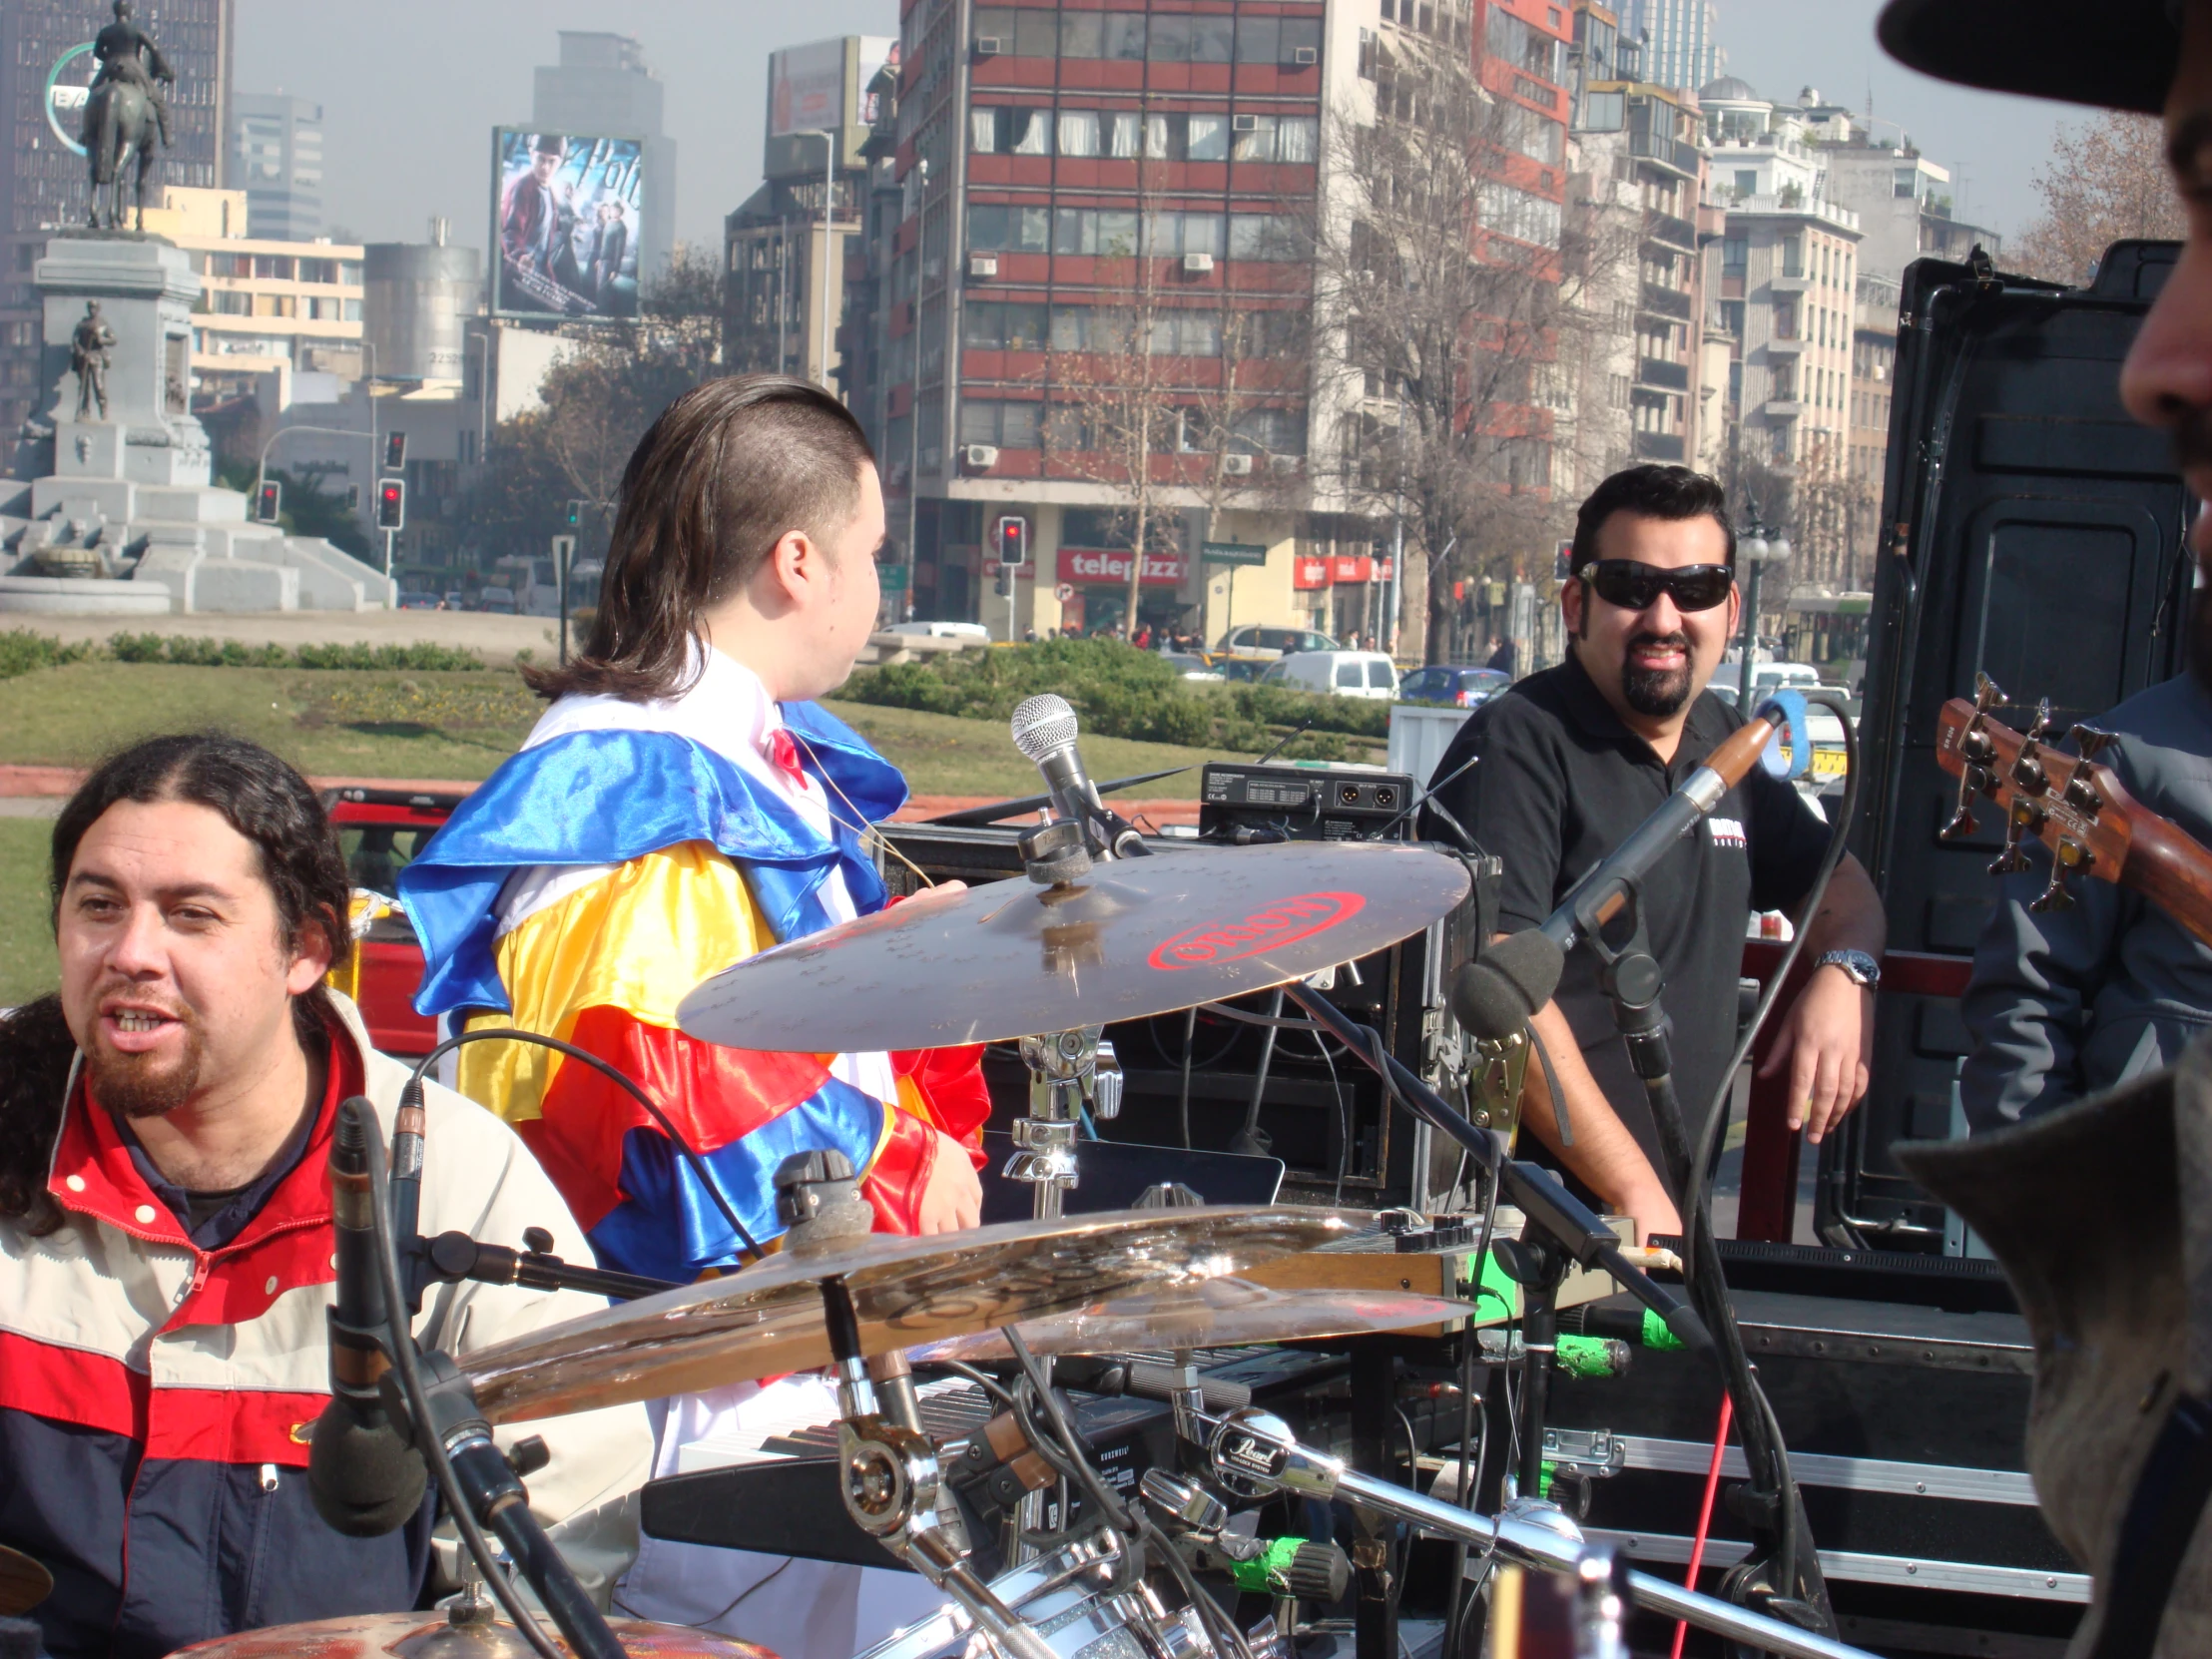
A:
(43, 184)
(277, 159)
(1681, 41)
(601, 88)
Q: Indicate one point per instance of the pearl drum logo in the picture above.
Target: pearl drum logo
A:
(1280, 923)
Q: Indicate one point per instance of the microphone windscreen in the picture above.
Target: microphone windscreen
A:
(1493, 995)
(365, 1479)
(1042, 724)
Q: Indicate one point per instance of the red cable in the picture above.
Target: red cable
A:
(1705, 1514)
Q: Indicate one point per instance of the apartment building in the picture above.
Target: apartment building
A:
(277, 159)
(1077, 190)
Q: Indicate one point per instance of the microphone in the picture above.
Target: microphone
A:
(1497, 993)
(1044, 731)
(366, 1480)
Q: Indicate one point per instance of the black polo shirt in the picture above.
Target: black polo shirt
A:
(1558, 783)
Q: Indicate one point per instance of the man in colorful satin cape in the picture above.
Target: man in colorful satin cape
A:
(681, 806)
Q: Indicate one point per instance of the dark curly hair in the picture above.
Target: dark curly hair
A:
(1653, 490)
(264, 800)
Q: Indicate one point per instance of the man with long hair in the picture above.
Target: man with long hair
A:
(167, 1247)
(683, 805)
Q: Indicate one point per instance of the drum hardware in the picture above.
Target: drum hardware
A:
(1069, 1072)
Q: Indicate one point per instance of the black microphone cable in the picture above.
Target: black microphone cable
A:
(412, 1095)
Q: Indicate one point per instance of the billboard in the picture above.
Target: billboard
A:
(565, 225)
(805, 89)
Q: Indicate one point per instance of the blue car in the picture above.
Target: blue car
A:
(1452, 686)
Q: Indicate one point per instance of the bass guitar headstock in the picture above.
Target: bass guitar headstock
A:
(2073, 805)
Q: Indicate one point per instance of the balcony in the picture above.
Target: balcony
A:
(1675, 233)
(1794, 344)
(1657, 371)
(1668, 153)
(1663, 301)
(1658, 447)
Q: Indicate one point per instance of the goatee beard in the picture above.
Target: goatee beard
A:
(1656, 692)
(135, 1085)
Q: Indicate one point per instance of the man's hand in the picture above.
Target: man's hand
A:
(927, 895)
(1653, 1209)
(953, 1198)
(1827, 1042)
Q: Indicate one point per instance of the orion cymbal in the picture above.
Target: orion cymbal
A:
(1216, 1313)
(767, 1319)
(433, 1636)
(24, 1583)
(1132, 937)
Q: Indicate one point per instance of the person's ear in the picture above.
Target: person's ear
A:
(1573, 600)
(311, 958)
(793, 563)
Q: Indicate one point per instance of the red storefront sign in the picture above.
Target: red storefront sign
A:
(1309, 571)
(1352, 567)
(1085, 564)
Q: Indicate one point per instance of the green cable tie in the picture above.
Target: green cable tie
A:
(1656, 1333)
(1264, 1573)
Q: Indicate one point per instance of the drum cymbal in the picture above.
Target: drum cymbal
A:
(1135, 937)
(24, 1583)
(431, 1636)
(766, 1319)
(1217, 1312)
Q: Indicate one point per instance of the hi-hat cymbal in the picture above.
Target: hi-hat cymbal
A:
(433, 1636)
(767, 1319)
(1217, 1312)
(1133, 937)
(24, 1583)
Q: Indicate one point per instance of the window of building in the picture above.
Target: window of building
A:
(1168, 234)
(1078, 132)
(1735, 255)
(1186, 334)
(1187, 138)
(1904, 183)
(1124, 36)
(1004, 132)
(1732, 317)
(1522, 215)
(1525, 46)
(1280, 138)
(1009, 425)
(1002, 326)
(1792, 250)
(1265, 237)
(1531, 133)
(1110, 234)
(1604, 111)
(1747, 182)
(1024, 31)
(998, 228)
(1272, 431)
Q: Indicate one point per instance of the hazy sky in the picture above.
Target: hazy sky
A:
(411, 88)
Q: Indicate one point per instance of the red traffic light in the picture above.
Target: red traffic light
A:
(1013, 540)
(395, 451)
(270, 502)
(391, 504)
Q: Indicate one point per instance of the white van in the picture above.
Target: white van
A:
(1337, 673)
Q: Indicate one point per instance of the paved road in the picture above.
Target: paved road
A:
(497, 637)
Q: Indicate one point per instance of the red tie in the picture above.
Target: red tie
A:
(783, 754)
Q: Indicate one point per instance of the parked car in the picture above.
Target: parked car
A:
(941, 630)
(1257, 640)
(1193, 667)
(1337, 673)
(412, 601)
(1239, 670)
(499, 601)
(453, 600)
(1452, 686)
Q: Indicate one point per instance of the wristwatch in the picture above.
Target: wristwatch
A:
(1858, 966)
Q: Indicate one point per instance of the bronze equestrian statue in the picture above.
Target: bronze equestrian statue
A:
(123, 114)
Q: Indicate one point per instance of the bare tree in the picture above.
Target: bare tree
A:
(1445, 292)
(2106, 180)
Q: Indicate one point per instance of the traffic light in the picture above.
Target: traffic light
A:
(395, 451)
(270, 501)
(1013, 541)
(575, 513)
(391, 504)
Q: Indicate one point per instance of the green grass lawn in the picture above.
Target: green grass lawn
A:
(26, 943)
(410, 725)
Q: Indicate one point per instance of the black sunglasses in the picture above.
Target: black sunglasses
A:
(1635, 586)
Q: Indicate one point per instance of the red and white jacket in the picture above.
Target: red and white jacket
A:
(155, 1399)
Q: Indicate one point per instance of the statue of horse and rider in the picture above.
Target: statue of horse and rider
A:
(123, 114)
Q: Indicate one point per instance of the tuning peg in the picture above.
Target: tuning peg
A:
(2068, 858)
(1972, 780)
(2090, 740)
(2042, 726)
(2025, 815)
(1987, 693)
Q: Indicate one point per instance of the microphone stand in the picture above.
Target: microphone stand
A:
(1768, 1503)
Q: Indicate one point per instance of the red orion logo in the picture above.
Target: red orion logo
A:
(1280, 923)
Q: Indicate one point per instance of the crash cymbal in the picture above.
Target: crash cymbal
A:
(767, 1319)
(24, 1583)
(1133, 937)
(1217, 1312)
(433, 1636)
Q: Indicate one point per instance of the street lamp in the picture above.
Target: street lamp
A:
(1758, 547)
(830, 140)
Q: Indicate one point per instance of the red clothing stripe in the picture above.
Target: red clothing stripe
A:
(71, 1385)
(713, 1095)
(223, 1426)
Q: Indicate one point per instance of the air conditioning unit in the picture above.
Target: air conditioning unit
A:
(988, 46)
(1244, 123)
(1235, 466)
(982, 265)
(1305, 57)
(979, 457)
(1197, 265)
(1283, 463)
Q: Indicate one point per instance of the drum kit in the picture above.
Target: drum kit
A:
(1050, 961)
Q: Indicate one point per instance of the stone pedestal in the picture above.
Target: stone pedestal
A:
(146, 289)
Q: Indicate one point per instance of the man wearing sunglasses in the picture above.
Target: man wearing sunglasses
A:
(1570, 761)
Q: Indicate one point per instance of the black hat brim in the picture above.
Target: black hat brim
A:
(2116, 54)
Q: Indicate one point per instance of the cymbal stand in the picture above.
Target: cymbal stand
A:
(1253, 1455)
